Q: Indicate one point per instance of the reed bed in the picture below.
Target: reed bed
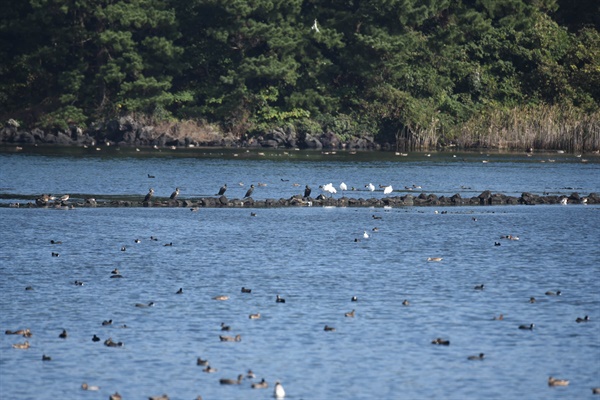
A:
(542, 127)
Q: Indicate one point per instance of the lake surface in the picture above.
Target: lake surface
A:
(310, 257)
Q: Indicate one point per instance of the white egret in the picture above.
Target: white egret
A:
(315, 27)
(328, 188)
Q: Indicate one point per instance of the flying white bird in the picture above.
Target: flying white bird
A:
(315, 27)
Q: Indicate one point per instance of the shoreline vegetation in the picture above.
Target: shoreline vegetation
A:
(540, 128)
(486, 198)
(390, 75)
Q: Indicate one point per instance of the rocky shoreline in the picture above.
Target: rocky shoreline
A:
(126, 131)
(409, 200)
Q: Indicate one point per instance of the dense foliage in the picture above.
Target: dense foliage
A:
(392, 67)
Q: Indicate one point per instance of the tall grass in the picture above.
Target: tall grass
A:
(540, 127)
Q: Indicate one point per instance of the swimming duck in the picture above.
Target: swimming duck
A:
(528, 327)
(499, 317)
(237, 338)
(350, 314)
(329, 328)
(532, 299)
(246, 290)
(55, 242)
(21, 345)
(63, 334)
(85, 386)
(141, 305)
(434, 259)
(163, 397)
(551, 293)
(584, 319)
(123, 248)
(441, 341)
(169, 244)
(250, 374)
(29, 288)
(78, 283)
(596, 390)
(180, 291)
(354, 298)
(479, 287)
(110, 343)
(224, 381)
(107, 322)
(405, 303)
(278, 392)
(55, 254)
(225, 327)
(260, 385)
(137, 241)
(557, 382)
(221, 298)
(201, 362)
(115, 396)
(95, 338)
(46, 358)
(480, 356)
(209, 370)
(254, 316)
(279, 299)
(115, 271)
(24, 332)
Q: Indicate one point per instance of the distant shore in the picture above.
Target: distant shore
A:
(129, 132)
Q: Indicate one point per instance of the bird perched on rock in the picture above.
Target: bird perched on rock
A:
(222, 190)
(249, 192)
(307, 191)
(149, 195)
(174, 194)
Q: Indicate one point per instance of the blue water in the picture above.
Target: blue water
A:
(308, 256)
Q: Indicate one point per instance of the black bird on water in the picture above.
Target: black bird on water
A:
(249, 192)
(174, 194)
(222, 190)
(149, 195)
(307, 191)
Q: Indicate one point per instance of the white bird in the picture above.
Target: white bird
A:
(315, 27)
(329, 188)
(365, 235)
(564, 201)
(343, 186)
(279, 393)
(388, 190)
(371, 187)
